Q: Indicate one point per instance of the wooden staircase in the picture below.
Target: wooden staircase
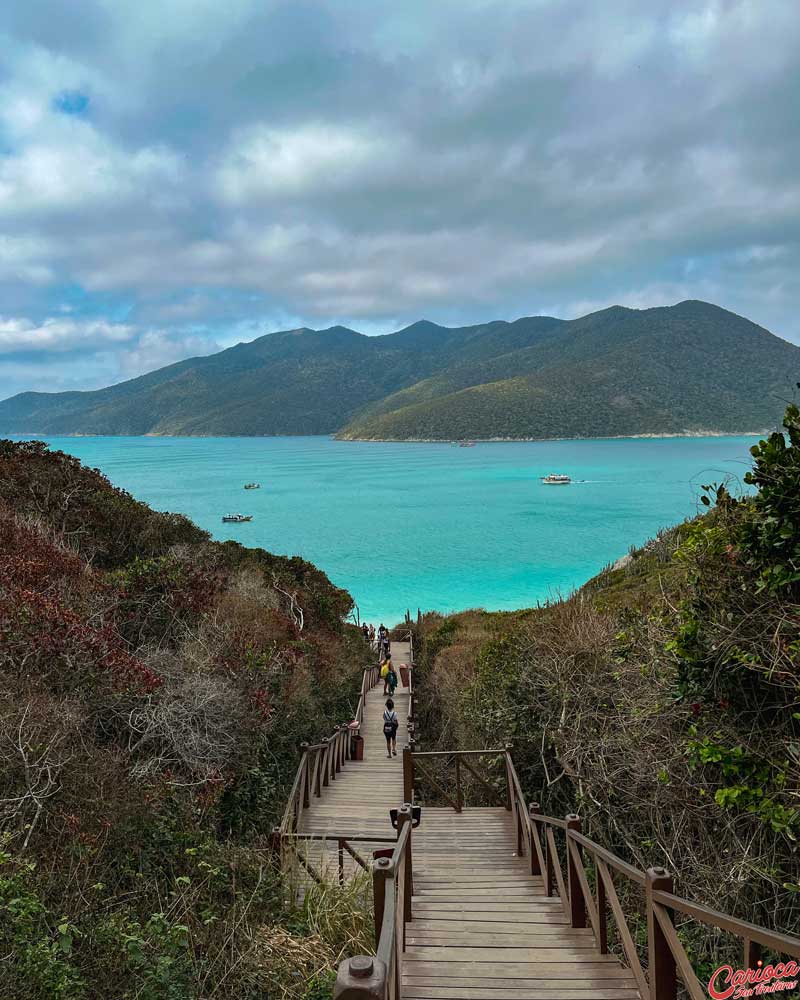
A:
(491, 902)
(482, 927)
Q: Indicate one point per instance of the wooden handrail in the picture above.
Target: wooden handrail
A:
(381, 978)
(667, 957)
(597, 899)
(460, 753)
(611, 859)
(413, 769)
(335, 836)
(321, 762)
(773, 940)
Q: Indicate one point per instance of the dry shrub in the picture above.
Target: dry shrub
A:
(335, 921)
(197, 726)
(283, 964)
(249, 585)
(341, 916)
(36, 744)
(588, 698)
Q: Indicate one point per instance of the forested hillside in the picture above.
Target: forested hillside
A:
(154, 689)
(692, 368)
(660, 702)
(689, 368)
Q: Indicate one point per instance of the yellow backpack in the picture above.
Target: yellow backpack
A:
(384, 670)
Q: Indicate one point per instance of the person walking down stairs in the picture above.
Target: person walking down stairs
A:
(390, 726)
(391, 678)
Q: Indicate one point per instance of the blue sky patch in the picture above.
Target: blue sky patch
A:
(71, 102)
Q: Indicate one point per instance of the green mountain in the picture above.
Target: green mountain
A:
(692, 367)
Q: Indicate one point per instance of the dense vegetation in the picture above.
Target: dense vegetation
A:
(692, 367)
(154, 689)
(661, 702)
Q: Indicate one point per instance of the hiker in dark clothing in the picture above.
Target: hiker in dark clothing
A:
(391, 678)
(390, 726)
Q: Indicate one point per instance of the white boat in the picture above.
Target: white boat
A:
(556, 479)
(252, 486)
(237, 518)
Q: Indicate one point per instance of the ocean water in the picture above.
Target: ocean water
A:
(428, 526)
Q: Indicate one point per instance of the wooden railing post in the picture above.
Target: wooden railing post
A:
(361, 978)
(534, 810)
(318, 770)
(459, 800)
(325, 761)
(403, 817)
(549, 873)
(333, 752)
(306, 782)
(577, 904)
(660, 960)
(752, 954)
(381, 870)
(408, 775)
(509, 790)
(602, 911)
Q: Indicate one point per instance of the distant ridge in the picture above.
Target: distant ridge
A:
(690, 368)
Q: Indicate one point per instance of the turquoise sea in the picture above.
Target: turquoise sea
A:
(427, 525)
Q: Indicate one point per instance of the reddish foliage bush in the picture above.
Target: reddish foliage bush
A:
(42, 634)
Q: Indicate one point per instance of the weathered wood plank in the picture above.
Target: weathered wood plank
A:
(469, 955)
(563, 991)
(516, 970)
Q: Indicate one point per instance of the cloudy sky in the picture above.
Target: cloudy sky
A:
(179, 175)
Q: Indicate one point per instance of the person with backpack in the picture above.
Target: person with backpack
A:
(391, 677)
(386, 669)
(390, 726)
(365, 632)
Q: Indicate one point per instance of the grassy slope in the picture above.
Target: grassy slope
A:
(154, 689)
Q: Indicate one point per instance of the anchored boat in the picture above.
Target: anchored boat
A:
(252, 486)
(237, 518)
(556, 479)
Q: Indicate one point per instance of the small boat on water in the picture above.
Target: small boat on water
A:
(466, 444)
(252, 486)
(556, 479)
(237, 518)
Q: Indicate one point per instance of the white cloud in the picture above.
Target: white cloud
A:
(263, 164)
(60, 334)
(155, 349)
(265, 161)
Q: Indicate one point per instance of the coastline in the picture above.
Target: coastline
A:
(41, 435)
(588, 437)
